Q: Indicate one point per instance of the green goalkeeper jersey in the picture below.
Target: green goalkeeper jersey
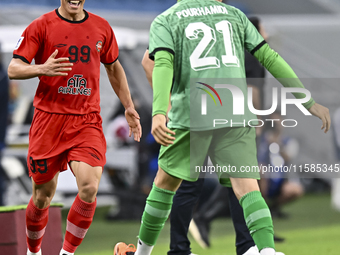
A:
(207, 39)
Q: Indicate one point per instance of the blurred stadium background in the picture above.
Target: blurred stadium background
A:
(306, 33)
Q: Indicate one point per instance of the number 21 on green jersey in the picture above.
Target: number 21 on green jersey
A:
(199, 59)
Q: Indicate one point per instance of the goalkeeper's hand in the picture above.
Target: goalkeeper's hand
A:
(160, 132)
(323, 113)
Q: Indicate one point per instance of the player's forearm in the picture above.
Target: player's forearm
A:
(20, 70)
(162, 80)
(148, 66)
(279, 68)
(119, 83)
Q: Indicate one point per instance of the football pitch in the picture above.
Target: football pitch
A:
(312, 229)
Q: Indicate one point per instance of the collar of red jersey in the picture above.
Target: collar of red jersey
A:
(71, 21)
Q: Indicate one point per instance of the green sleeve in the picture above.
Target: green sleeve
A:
(252, 37)
(162, 81)
(160, 37)
(279, 68)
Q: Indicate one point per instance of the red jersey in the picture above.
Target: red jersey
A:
(87, 43)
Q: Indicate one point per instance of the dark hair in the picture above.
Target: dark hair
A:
(255, 21)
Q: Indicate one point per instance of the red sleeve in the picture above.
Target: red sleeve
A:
(110, 50)
(29, 42)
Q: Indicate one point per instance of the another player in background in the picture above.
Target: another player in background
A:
(184, 45)
(68, 45)
(185, 200)
(216, 204)
(188, 193)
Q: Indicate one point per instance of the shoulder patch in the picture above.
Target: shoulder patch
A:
(19, 43)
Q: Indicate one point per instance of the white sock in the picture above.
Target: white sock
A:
(63, 252)
(33, 253)
(267, 251)
(252, 251)
(143, 249)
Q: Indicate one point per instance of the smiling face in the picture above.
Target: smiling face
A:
(72, 9)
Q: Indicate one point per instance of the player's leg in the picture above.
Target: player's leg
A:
(175, 161)
(271, 189)
(184, 201)
(37, 214)
(82, 210)
(244, 241)
(157, 209)
(235, 149)
(174, 165)
(156, 212)
(256, 213)
(212, 208)
(44, 180)
(44, 175)
(181, 214)
(86, 159)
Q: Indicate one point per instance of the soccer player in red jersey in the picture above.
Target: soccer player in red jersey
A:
(68, 45)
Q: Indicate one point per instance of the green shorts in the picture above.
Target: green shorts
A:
(232, 152)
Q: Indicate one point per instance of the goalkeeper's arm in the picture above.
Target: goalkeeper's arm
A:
(279, 68)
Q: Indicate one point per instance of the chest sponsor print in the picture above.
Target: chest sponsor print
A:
(76, 85)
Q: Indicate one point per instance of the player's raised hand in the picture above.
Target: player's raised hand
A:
(132, 119)
(322, 113)
(160, 132)
(56, 66)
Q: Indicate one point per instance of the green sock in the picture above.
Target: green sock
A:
(258, 219)
(156, 212)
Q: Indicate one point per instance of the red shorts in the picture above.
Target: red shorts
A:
(57, 139)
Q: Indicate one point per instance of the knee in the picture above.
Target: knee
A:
(88, 192)
(242, 187)
(166, 181)
(42, 199)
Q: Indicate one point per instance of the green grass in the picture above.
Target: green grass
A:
(313, 228)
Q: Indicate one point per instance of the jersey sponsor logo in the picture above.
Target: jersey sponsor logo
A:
(202, 11)
(76, 85)
(99, 46)
(60, 45)
(19, 42)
